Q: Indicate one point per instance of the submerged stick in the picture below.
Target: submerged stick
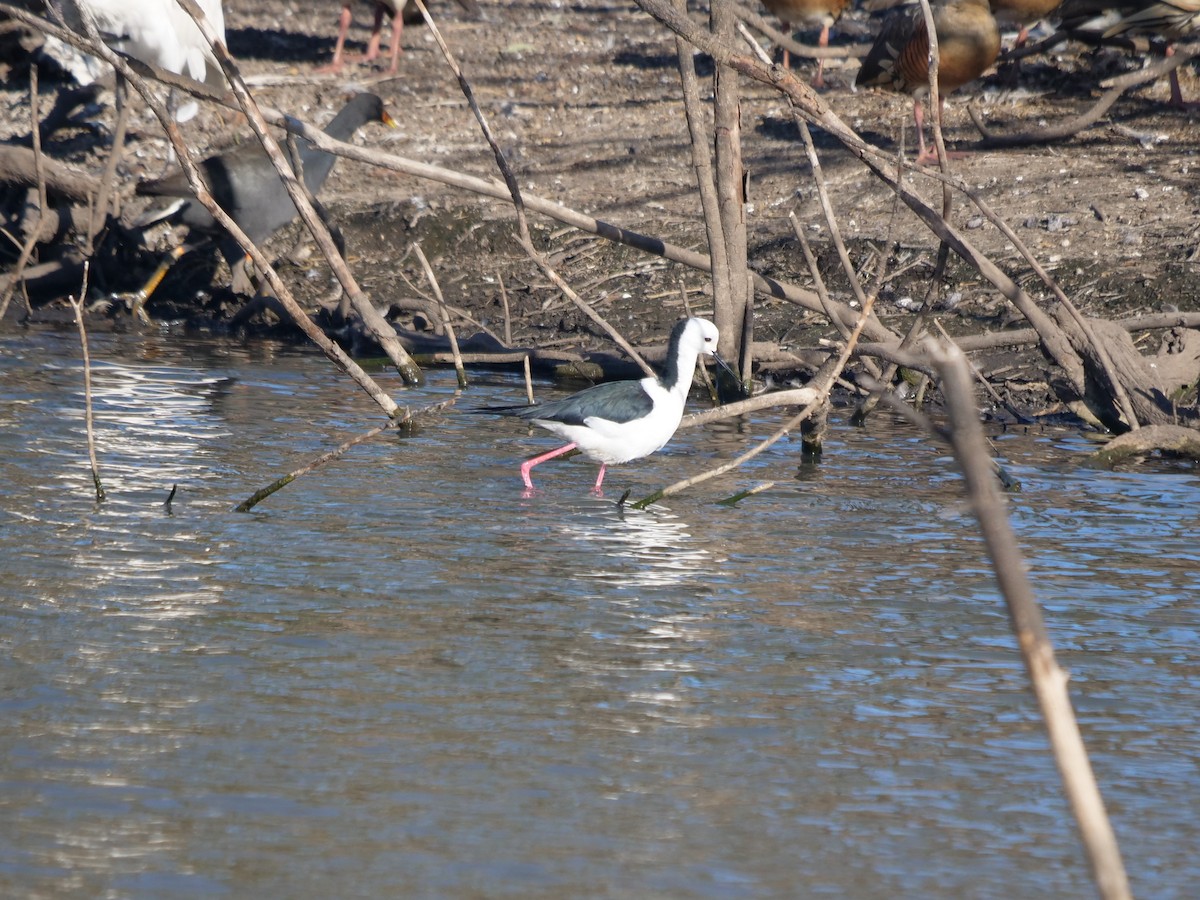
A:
(528, 381)
(89, 423)
(1049, 681)
(279, 483)
(749, 492)
(507, 316)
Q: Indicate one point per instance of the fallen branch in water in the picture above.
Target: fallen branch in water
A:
(283, 481)
(89, 423)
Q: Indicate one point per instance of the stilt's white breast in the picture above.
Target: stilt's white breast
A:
(612, 443)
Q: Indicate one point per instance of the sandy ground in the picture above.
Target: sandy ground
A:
(583, 96)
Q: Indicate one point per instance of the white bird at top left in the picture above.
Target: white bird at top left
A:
(158, 32)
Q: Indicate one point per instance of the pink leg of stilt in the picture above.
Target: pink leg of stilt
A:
(599, 480)
(529, 464)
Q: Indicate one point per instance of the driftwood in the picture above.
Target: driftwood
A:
(17, 166)
(1149, 387)
(1165, 440)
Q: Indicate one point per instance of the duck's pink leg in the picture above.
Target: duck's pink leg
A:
(823, 41)
(599, 479)
(376, 34)
(397, 31)
(529, 464)
(343, 28)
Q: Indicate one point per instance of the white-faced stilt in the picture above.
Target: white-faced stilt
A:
(620, 421)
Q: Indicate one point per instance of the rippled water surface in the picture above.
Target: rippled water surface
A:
(396, 677)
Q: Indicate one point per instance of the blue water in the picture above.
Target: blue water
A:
(398, 677)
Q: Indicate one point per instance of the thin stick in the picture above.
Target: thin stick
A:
(935, 93)
(792, 397)
(100, 211)
(818, 280)
(258, 496)
(749, 492)
(510, 180)
(992, 392)
(701, 142)
(831, 222)
(89, 423)
(1049, 681)
(507, 319)
(786, 41)
(528, 381)
(732, 312)
(437, 292)
(584, 306)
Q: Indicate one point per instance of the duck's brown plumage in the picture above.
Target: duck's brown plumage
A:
(1022, 12)
(968, 43)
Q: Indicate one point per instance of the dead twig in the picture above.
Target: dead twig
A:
(818, 280)
(89, 422)
(733, 306)
(793, 397)
(278, 484)
(446, 324)
(514, 190)
(794, 47)
(1061, 130)
(983, 382)
(1048, 680)
(695, 113)
(507, 317)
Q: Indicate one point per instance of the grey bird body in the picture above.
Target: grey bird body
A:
(245, 184)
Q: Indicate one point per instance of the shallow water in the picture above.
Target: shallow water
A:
(398, 677)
